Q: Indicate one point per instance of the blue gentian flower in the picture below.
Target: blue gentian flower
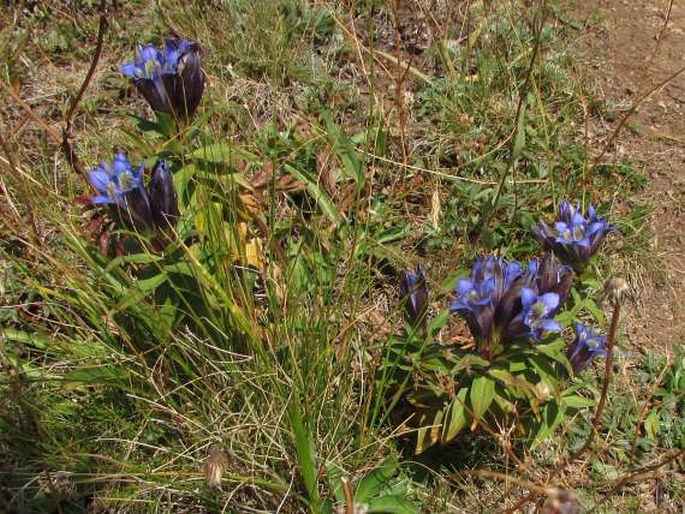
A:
(115, 181)
(536, 312)
(415, 297)
(503, 301)
(575, 237)
(171, 80)
(586, 347)
(163, 202)
(121, 186)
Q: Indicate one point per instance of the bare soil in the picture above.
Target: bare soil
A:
(632, 47)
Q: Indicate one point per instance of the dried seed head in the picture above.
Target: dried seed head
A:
(215, 465)
(616, 289)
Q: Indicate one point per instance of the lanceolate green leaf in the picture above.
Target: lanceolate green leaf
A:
(456, 417)
(552, 415)
(482, 394)
(375, 481)
(304, 449)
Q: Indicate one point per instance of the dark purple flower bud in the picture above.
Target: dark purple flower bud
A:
(415, 297)
(137, 213)
(171, 80)
(552, 277)
(163, 202)
(575, 238)
(586, 347)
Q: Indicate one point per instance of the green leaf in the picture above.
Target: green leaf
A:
(343, 146)
(305, 451)
(596, 312)
(438, 322)
(223, 153)
(456, 417)
(578, 402)
(100, 375)
(554, 350)
(552, 415)
(375, 481)
(482, 394)
(520, 141)
(651, 424)
(392, 504)
(512, 381)
(335, 474)
(136, 258)
(35, 339)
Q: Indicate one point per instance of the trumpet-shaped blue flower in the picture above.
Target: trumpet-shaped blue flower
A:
(171, 80)
(503, 301)
(114, 181)
(121, 186)
(536, 312)
(585, 348)
(575, 238)
(415, 297)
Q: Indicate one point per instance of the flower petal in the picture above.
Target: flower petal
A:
(528, 296)
(99, 179)
(551, 300)
(464, 286)
(550, 325)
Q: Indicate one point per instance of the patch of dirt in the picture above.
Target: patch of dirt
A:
(631, 48)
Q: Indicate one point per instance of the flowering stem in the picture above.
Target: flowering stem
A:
(611, 339)
(608, 367)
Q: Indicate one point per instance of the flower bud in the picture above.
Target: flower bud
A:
(187, 85)
(163, 202)
(415, 297)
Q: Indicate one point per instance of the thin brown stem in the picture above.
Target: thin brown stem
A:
(608, 367)
(67, 146)
(349, 500)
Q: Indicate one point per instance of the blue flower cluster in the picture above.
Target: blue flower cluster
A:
(575, 238)
(171, 80)
(505, 301)
(121, 186)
